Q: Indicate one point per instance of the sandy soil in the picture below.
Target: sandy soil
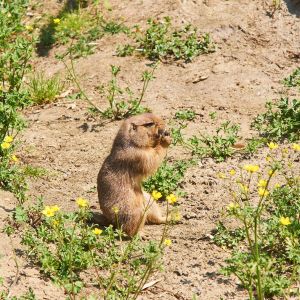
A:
(254, 52)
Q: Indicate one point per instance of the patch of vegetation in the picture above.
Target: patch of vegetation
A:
(168, 177)
(293, 80)
(218, 146)
(185, 115)
(16, 52)
(44, 90)
(122, 102)
(161, 41)
(280, 121)
(64, 245)
(266, 207)
(78, 28)
(223, 237)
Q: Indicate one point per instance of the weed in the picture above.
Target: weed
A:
(78, 28)
(253, 145)
(280, 121)
(224, 237)
(65, 246)
(293, 80)
(217, 146)
(162, 42)
(185, 115)
(168, 177)
(44, 90)
(16, 51)
(122, 102)
(265, 205)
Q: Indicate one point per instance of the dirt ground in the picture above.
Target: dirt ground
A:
(254, 52)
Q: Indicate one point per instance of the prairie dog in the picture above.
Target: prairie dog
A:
(138, 150)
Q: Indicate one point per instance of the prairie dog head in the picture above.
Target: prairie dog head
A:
(142, 131)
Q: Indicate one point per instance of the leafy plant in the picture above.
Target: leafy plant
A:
(123, 102)
(185, 115)
(64, 245)
(161, 41)
(44, 90)
(293, 80)
(217, 146)
(79, 28)
(266, 208)
(223, 237)
(280, 121)
(16, 50)
(168, 177)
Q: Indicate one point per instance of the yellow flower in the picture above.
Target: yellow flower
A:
(176, 216)
(221, 175)
(296, 147)
(82, 202)
(271, 172)
(167, 242)
(156, 195)
(262, 183)
(29, 28)
(8, 139)
(14, 158)
(56, 21)
(232, 172)
(55, 223)
(268, 158)
(232, 206)
(277, 185)
(251, 168)
(55, 208)
(244, 188)
(5, 145)
(116, 210)
(48, 211)
(263, 192)
(171, 198)
(97, 231)
(285, 221)
(272, 146)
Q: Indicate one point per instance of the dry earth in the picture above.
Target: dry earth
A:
(254, 51)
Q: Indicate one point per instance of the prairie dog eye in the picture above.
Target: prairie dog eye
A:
(148, 125)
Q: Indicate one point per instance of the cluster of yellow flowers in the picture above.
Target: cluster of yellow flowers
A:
(49, 211)
(7, 142)
(170, 198)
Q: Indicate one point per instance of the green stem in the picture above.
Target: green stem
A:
(72, 73)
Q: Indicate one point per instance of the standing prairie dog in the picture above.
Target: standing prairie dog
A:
(138, 150)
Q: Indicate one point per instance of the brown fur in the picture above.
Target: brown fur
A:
(138, 150)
